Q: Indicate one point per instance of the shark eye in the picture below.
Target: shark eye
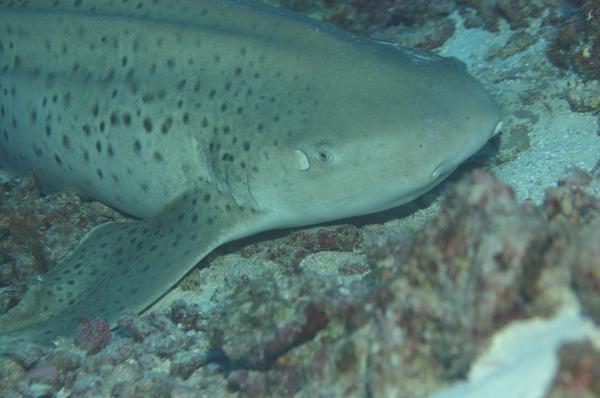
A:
(324, 154)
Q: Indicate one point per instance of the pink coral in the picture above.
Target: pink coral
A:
(93, 335)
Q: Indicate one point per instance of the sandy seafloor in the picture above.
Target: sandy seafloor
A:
(523, 358)
(521, 361)
(560, 138)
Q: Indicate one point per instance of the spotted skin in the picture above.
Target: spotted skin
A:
(209, 121)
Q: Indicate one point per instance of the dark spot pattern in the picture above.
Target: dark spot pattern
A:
(108, 117)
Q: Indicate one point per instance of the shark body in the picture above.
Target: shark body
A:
(210, 121)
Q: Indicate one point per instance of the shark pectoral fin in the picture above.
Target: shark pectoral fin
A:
(125, 266)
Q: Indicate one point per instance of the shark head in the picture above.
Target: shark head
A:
(403, 121)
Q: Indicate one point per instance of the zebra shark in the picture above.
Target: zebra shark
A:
(209, 121)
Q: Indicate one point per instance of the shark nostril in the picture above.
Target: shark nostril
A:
(497, 129)
(442, 170)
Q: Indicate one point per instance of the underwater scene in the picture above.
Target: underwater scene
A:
(300, 198)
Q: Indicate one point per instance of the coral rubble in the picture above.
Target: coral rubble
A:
(414, 319)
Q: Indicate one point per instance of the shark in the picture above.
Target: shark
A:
(207, 121)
